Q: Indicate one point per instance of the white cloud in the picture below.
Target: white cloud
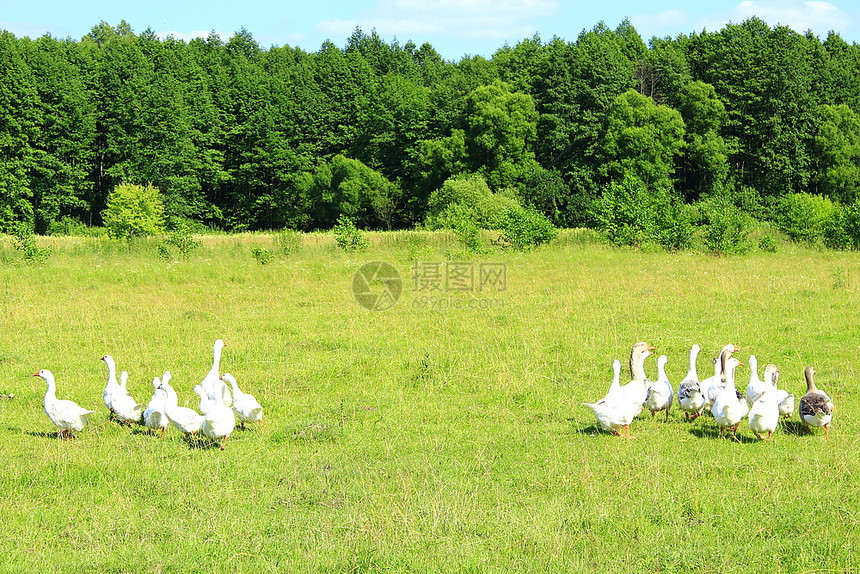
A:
(799, 15)
(485, 19)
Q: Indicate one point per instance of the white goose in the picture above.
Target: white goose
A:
(126, 409)
(112, 387)
(728, 408)
(219, 421)
(206, 401)
(659, 395)
(756, 386)
(637, 389)
(155, 417)
(210, 383)
(691, 399)
(816, 408)
(615, 413)
(66, 415)
(716, 384)
(783, 397)
(183, 418)
(764, 412)
(246, 407)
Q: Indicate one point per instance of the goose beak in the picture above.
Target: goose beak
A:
(35, 374)
(650, 348)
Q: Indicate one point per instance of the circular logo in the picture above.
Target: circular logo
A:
(377, 285)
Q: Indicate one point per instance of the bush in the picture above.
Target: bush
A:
(802, 216)
(767, 243)
(630, 214)
(347, 235)
(728, 228)
(262, 255)
(134, 211)
(25, 243)
(841, 229)
(288, 241)
(526, 228)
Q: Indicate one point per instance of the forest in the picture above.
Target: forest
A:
(239, 137)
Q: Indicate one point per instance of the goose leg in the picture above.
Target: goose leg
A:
(769, 434)
(827, 430)
(758, 436)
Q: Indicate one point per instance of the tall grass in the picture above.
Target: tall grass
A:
(422, 438)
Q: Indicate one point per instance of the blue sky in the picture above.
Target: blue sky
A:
(454, 27)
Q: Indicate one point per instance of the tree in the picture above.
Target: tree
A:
(837, 147)
(134, 211)
(642, 140)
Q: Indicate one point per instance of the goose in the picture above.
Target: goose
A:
(659, 395)
(784, 398)
(246, 407)
(112, 387)
(219, 421)
(816, 408)
(712, 386)
(206, 401)
(716, 384)
(756, 386)
(637, 389)
(210, 383)
(615, 413)
(66, 415)
(183, 418)
(691, 399)
(764, 412)
(126, 409)
(729, 409)
(154, 416)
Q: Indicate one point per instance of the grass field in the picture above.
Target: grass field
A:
(445, 434)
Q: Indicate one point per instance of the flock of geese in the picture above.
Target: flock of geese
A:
(764, 404)
(219, 408)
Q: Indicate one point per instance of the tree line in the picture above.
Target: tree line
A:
(240, 137)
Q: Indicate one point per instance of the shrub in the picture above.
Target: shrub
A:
(630, 214)
(347, 235)
(182, 239)
(526, 228)
(841, 229)
(25, 243)
(262, 255)
(288, 241)
(728, 229)
(767, 243)
(802, 216)
(133, 211)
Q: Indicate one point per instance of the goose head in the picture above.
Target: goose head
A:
(770, 375)
(47, 375)
(638, 354)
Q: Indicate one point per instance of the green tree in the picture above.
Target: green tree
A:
(642, 140)
(134, 211)
(837, 146)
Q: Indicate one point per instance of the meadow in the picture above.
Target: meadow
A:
(444, 434)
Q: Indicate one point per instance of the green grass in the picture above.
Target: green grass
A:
(422, 439)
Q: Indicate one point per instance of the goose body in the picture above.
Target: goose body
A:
(67, 416)
(126, 409)
(245, 406)
(636, 390)
(186, 420)
(112, 388)
(785, 399)
(615, 413)
(691, 399)
(154, 416)
(764, 412)
(659, 394)
(211, 383)
(816, 408)
(219, 420)
(206, 401)
(728, 408)
(714, 385)
(756, 387)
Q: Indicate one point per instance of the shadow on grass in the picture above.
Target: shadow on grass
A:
(711, 432)
(53, 435)
(795, 428)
